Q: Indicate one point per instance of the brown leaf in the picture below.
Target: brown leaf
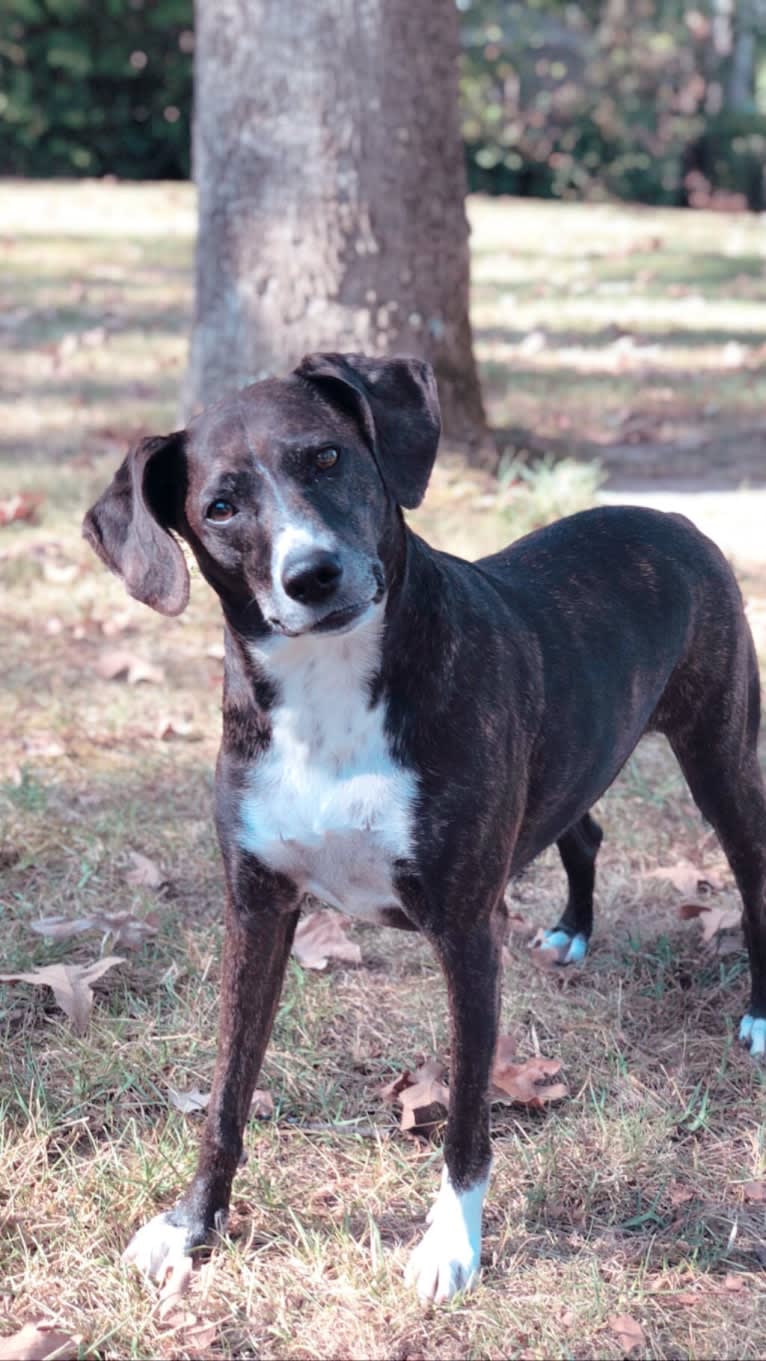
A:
(145, 873)
(526, 1083)
(733, 1284)
(39, 1342)
(390, 1092)
(423, 1096)
(189, 1102)
(321, 937)
(685, 876)
(627, 1332)
(22, 506)
(70, 984)
(117, 664)
(713, 920)
(424, 1102)
(121, 927)
(169, 729)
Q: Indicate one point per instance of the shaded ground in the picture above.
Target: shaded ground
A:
(628, 1198)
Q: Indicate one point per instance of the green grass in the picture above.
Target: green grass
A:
(584, 1219)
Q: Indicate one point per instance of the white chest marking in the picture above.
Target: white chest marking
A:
(327, 804)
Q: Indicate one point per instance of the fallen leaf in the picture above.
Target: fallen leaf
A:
(117, 665)
(713, 920)
(169, 728)
(121, 927)
(200, 1337)
(525, 1083)
(39, 1342)
(685, 876)
(261, 1105)
(189, 1102)
(733, 1284)
(627, 1332)
(390, 1092)
(145, 873)
(23, 506)
(754, 1192)
(425, 1100)
(321, 937)
(70, 984)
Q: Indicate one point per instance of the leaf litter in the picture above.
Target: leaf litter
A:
(423, 1095)
(320, 937)
(123, 929)
(71, 986)
(118, 664)
(40, 1342)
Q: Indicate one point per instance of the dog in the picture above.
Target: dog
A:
(403, 730)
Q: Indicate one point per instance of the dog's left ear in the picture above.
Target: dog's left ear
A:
(397, 406)
(129, 525)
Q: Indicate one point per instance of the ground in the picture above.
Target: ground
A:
(638, 336)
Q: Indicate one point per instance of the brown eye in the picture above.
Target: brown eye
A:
(326, 458)
(219, 511)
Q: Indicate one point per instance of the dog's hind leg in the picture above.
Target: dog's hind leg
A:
(578, 849)
(719, 758)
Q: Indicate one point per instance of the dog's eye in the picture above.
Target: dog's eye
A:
(326, 458)
(220, 510)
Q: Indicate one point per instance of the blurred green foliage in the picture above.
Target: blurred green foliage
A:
(623, 98)
(95, 87)
(635, 99)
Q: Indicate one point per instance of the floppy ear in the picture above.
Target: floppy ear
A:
(128, 525)
(397, 406)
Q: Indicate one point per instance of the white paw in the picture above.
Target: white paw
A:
(570, 949)
(157, 1248)
(449, 1256)
(752, 1033)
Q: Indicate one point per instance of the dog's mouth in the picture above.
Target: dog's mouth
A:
(337, 621)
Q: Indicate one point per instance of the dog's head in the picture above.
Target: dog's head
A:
(287, 493)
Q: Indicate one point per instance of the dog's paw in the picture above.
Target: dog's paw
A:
(569, 949)
(449, 1256)
(752, 1033)
(439, 1268)
(157, 1248)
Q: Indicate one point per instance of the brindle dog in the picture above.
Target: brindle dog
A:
(404, 730)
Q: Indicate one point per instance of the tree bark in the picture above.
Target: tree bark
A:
(329, 166)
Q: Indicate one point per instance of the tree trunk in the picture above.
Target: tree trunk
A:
(329, 165)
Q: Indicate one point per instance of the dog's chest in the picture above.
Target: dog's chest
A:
(327, 804)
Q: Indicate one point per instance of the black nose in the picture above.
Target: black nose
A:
(312, 577)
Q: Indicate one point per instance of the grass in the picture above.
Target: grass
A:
(625, 1199)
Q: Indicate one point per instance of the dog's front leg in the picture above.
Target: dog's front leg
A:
(448, 1258)
(257, 944)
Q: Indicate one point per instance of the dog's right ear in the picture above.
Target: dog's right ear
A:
(129, 526)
